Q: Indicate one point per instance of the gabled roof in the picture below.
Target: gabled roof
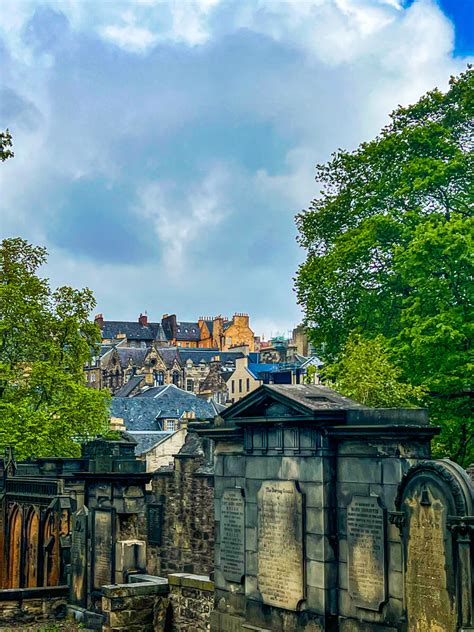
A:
(132, 383)
(169, 355)
(132, 330)
(145, 410)
(147, 440)
(311, 402)
(136, 355)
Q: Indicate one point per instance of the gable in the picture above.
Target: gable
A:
(262, 403)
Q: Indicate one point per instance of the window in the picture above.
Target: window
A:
(176, 378)
(233, 386)
(248, 384)
(93, 377)
(240, 386)
(171, 425)
(190, 385)
(159, 378)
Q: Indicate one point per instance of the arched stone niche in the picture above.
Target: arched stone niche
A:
(435, 516)
(15, 528)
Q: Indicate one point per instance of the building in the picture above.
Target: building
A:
(161, 408)
(135, 334)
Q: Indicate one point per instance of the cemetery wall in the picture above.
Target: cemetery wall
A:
(192, 599)
(181, 538)
(33, 604)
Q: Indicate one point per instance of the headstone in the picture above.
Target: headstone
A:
(102, 548)
(429, 574)
(366, 568)
(79, 557)
(155, 523)
(232, 531)
(280, 573)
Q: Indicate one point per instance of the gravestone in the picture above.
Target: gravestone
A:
(366, 570)
(280, 544)
(435, 516)
(102, 558)
(233, 534)
(79, 557)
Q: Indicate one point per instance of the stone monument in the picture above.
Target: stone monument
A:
(304, 482)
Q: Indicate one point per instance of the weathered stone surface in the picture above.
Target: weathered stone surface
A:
(102, 550)
(366, 552)
(280, 544)
(232, 535)
(430, 603)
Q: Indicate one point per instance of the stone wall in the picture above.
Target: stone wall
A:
(33, 604)
(192, 600)
(136, 607)
(185, 493)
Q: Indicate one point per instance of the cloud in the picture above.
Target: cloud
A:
(130, 37)
(163, 149)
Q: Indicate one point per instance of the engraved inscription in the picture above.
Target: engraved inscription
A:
(366, 552)
(429, 604)
(102, 548)
(280, 544)
(78, 556)
(233, 535)
(155, 523)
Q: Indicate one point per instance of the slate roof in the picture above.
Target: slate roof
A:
(137, 355)
(187, 331)
(127, 388)
(169, 355)
(145, 410)
(315, 397)
(133, 330)
(148, 440)
(206, 355)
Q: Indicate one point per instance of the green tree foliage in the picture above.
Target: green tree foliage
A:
(5, 144)
(389, 252)
(366, 373)
(45, 340)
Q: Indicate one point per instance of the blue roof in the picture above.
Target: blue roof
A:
(145, 410)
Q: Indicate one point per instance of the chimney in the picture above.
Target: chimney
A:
(143, 320)
(99, 320)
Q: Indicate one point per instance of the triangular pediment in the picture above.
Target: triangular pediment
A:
(286, 401)
(265, 404)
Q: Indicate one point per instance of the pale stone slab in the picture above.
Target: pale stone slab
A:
(232, 527)
(366, 567)
(280, 544)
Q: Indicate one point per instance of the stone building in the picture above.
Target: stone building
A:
(161, 408)
(199, 363)
(134, 334)
(125, 370)
(331, 517)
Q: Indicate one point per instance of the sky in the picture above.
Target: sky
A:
(162, 149)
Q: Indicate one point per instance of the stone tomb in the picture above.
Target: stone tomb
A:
(318, 475)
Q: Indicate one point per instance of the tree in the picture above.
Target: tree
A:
(366, 373)
(389, 251)
(45, 340)
(5, 144)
